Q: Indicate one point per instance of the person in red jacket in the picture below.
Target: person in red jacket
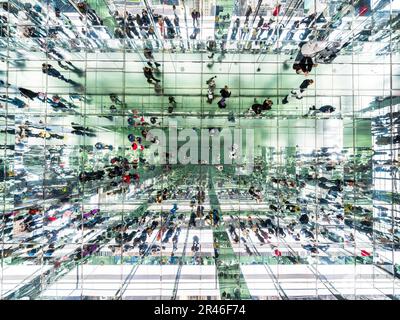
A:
(276, 10)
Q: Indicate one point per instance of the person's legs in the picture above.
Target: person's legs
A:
(288, 36)
(270, 32)
(312, 111)
(299, 95)
(285, 100)
(61, 77)
(233, 36)
(294, 92)
(308, 63)
(259, 36)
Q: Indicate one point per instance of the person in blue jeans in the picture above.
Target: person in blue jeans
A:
(15, 101)
(52, 72)
(235, 29)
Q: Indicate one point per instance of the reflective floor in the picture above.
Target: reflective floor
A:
(199, 150)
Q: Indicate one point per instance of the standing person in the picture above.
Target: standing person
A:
(193, 14)
(299, 93)
(222, 103)
(304, 65)
(195, 17)
(192, 220)
(235, 29)
(177, 27)
(211, 47)
(259, 108)
(148, 73)
(264, 27)
(171, 104)
(260, 22)
(244, 31)
(292, 31)
(161, 25)
(151, 33)
(225, 94)
(249, 11)
(15, 101)
(148, 54)
(28, 93)
(276, 10)
(211, 87)
(170, 28)
(145, 17)
(139, 20)
(324, 109)
(174, 9)
(253, 36)
(198, 17)
(303, 86)
(52, 72)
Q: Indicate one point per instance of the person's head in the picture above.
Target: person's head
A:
(226, 87)
(311, 81)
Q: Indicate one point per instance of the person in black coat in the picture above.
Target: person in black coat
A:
(259, 108)
(225, 93)
(28, 93)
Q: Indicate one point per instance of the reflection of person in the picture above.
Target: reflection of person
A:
(259, 108)
(324, 109)
(244, 31)
(303, 86)
(304, 66)
(19, 227)
(299, 92)
(195, 16)
(235, 29)
(249, 11)
(148, 73)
